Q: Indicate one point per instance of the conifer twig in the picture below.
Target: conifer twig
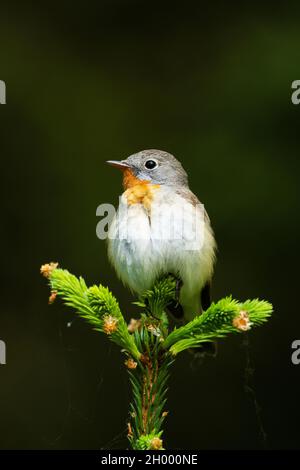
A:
(148, 344)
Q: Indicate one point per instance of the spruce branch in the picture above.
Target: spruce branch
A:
(96, 305)
(106, 307)
(149, 442)
(155, 300)
(220, 319)
(148, 343)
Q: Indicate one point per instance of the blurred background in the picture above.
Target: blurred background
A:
(210, 83)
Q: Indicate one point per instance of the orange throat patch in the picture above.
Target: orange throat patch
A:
(138, 191)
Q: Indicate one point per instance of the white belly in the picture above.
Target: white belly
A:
(174, 237)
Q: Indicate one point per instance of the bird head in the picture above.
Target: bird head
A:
(153, 167)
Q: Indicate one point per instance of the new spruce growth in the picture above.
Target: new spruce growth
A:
(149, 344)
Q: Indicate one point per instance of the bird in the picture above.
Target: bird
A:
(161, 228)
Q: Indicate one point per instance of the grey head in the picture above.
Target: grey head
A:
(156, 166)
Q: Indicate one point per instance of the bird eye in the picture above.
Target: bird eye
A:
(150, 164)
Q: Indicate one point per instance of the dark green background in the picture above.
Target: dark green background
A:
(100, 80)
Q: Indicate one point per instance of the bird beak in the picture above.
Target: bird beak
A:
(122, 165)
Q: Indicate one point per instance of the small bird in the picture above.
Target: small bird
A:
(161, 228)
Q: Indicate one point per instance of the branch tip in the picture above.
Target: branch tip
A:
(242, 321)
(156, 443)
(47, 269)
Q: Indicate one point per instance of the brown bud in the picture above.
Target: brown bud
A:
(129, 430)
(52, 296)
(242, 321)
(47, 269)
(154, 330)
(156, 443)
(110, 324)
(133, 325)
(130, 363)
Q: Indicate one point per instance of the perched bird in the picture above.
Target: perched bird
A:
(160, 228)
